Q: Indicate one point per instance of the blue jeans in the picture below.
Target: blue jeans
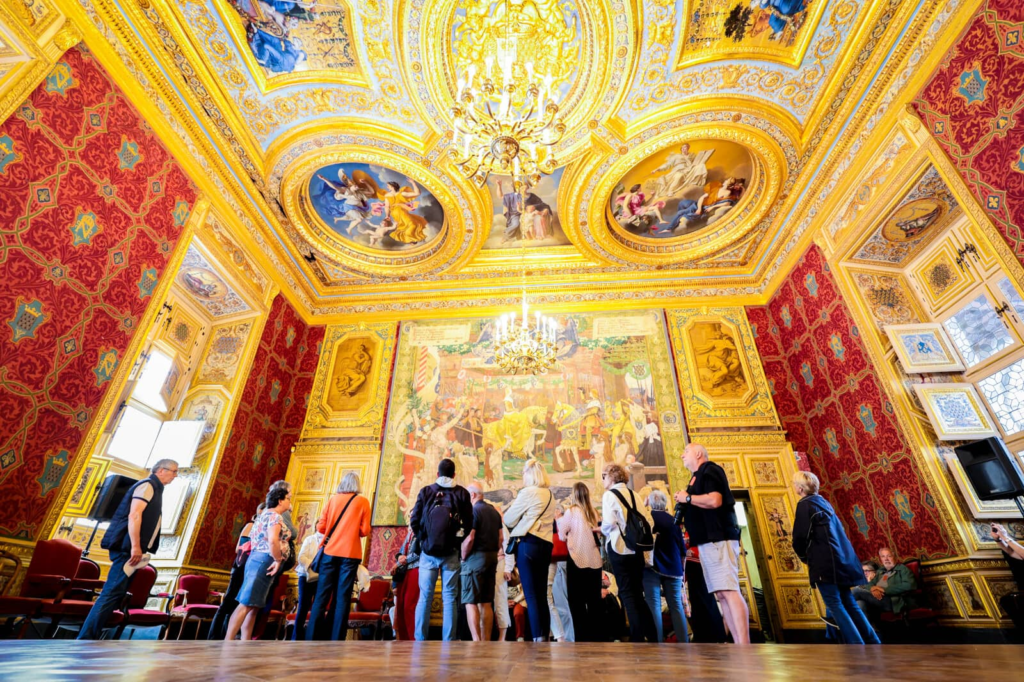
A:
(110, 598)
(306, 592)
(654, 583)
(853, 624)
(533, 556)
(449, 566)
(337, 576)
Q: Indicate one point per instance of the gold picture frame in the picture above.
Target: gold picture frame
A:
(924, 347)
(956, 411)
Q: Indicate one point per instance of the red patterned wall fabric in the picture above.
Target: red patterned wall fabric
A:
(974, 106)
(385, 541)
(267, 424)
(91, 207)
(833, 408)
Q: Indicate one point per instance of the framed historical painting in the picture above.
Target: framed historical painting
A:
(956, 411)
(85, 492)
(924, 347)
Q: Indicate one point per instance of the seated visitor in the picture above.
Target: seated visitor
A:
(870, 569)
(890, 590)
(614, 617)
(517, 605)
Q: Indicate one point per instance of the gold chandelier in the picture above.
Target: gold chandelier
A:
(525, 346)
(522, 345)
(507, 124)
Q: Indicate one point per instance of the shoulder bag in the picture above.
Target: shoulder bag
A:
(314, 565)
(513, 542)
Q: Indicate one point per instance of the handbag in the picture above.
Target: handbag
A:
(560, 551)
(314, 565)
(513, 542)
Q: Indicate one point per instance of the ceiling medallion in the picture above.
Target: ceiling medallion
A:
(506, 119)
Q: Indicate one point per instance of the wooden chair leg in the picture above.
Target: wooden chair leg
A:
(182, 628)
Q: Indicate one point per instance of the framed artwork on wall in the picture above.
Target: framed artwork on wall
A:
(924, 347)
(956, 411)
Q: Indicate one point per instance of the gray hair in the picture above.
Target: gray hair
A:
(807, 482)
(349, 483)
(168, 464)
(281, 484)
(475, 488)
(657, 501)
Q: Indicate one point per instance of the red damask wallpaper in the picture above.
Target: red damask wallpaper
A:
(91, 206)
(833, 408)
(974, 106)
(269, 420)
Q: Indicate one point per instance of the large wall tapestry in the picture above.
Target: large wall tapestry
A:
(91, 207)
(682, 189)
(375, 207)
(974, 106)
(832, 406)
(533, 222)
(611, 397)
(269, 419)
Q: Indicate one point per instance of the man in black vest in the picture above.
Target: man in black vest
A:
(134, 530)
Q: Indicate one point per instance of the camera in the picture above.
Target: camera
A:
(680, 513)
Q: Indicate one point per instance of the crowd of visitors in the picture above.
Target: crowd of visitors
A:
(540, 569)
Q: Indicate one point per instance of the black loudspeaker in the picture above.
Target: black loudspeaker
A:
(992, 470)
(114, 488)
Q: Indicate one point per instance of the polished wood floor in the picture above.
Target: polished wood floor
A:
(464, 661)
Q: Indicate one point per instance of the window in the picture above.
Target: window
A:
(1004, 392)
(135, 435)
(150, 388)
(977, 331)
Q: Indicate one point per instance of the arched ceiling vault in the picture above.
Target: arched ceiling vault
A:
(700, 135)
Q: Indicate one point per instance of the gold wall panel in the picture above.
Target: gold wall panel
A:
(720, 375)
(350, 391)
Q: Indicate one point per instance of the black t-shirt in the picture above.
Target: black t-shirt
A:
(711, 525)
(487, 524)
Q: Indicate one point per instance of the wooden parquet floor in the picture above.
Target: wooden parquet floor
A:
(515, 662)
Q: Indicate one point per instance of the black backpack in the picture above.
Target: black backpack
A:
(439, 525)
(637, 535)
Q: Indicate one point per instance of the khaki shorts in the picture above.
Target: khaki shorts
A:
(721, 564)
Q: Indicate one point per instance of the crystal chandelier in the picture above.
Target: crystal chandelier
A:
(508, 123)
(522, 345)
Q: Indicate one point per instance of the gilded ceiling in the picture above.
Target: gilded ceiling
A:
(696, 150)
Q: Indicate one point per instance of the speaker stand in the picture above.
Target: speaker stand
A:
(85, 552)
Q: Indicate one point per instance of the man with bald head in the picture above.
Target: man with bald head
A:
(710, 518)
(479, 564)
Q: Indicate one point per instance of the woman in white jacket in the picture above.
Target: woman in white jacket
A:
(530, 520)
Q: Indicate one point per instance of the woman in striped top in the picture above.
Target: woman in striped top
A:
(577, 528)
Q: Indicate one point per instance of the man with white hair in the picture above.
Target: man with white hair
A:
(710, 519)
(479, 563)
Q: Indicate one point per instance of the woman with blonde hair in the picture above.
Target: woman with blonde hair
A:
(820, 541)
(530, 520)
(579, 527)
(345, 520)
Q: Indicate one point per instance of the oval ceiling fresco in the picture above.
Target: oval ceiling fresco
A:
(375, 207)
(681, 189)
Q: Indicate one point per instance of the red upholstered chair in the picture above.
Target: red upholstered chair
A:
(16, 612)
(86, 583)
(278, 614)
(140, 592)
(920, 615)
(370, 609)
(191, 602)
(58, 564)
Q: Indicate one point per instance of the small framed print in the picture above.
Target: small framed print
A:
(924, 348)
(956, 411)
